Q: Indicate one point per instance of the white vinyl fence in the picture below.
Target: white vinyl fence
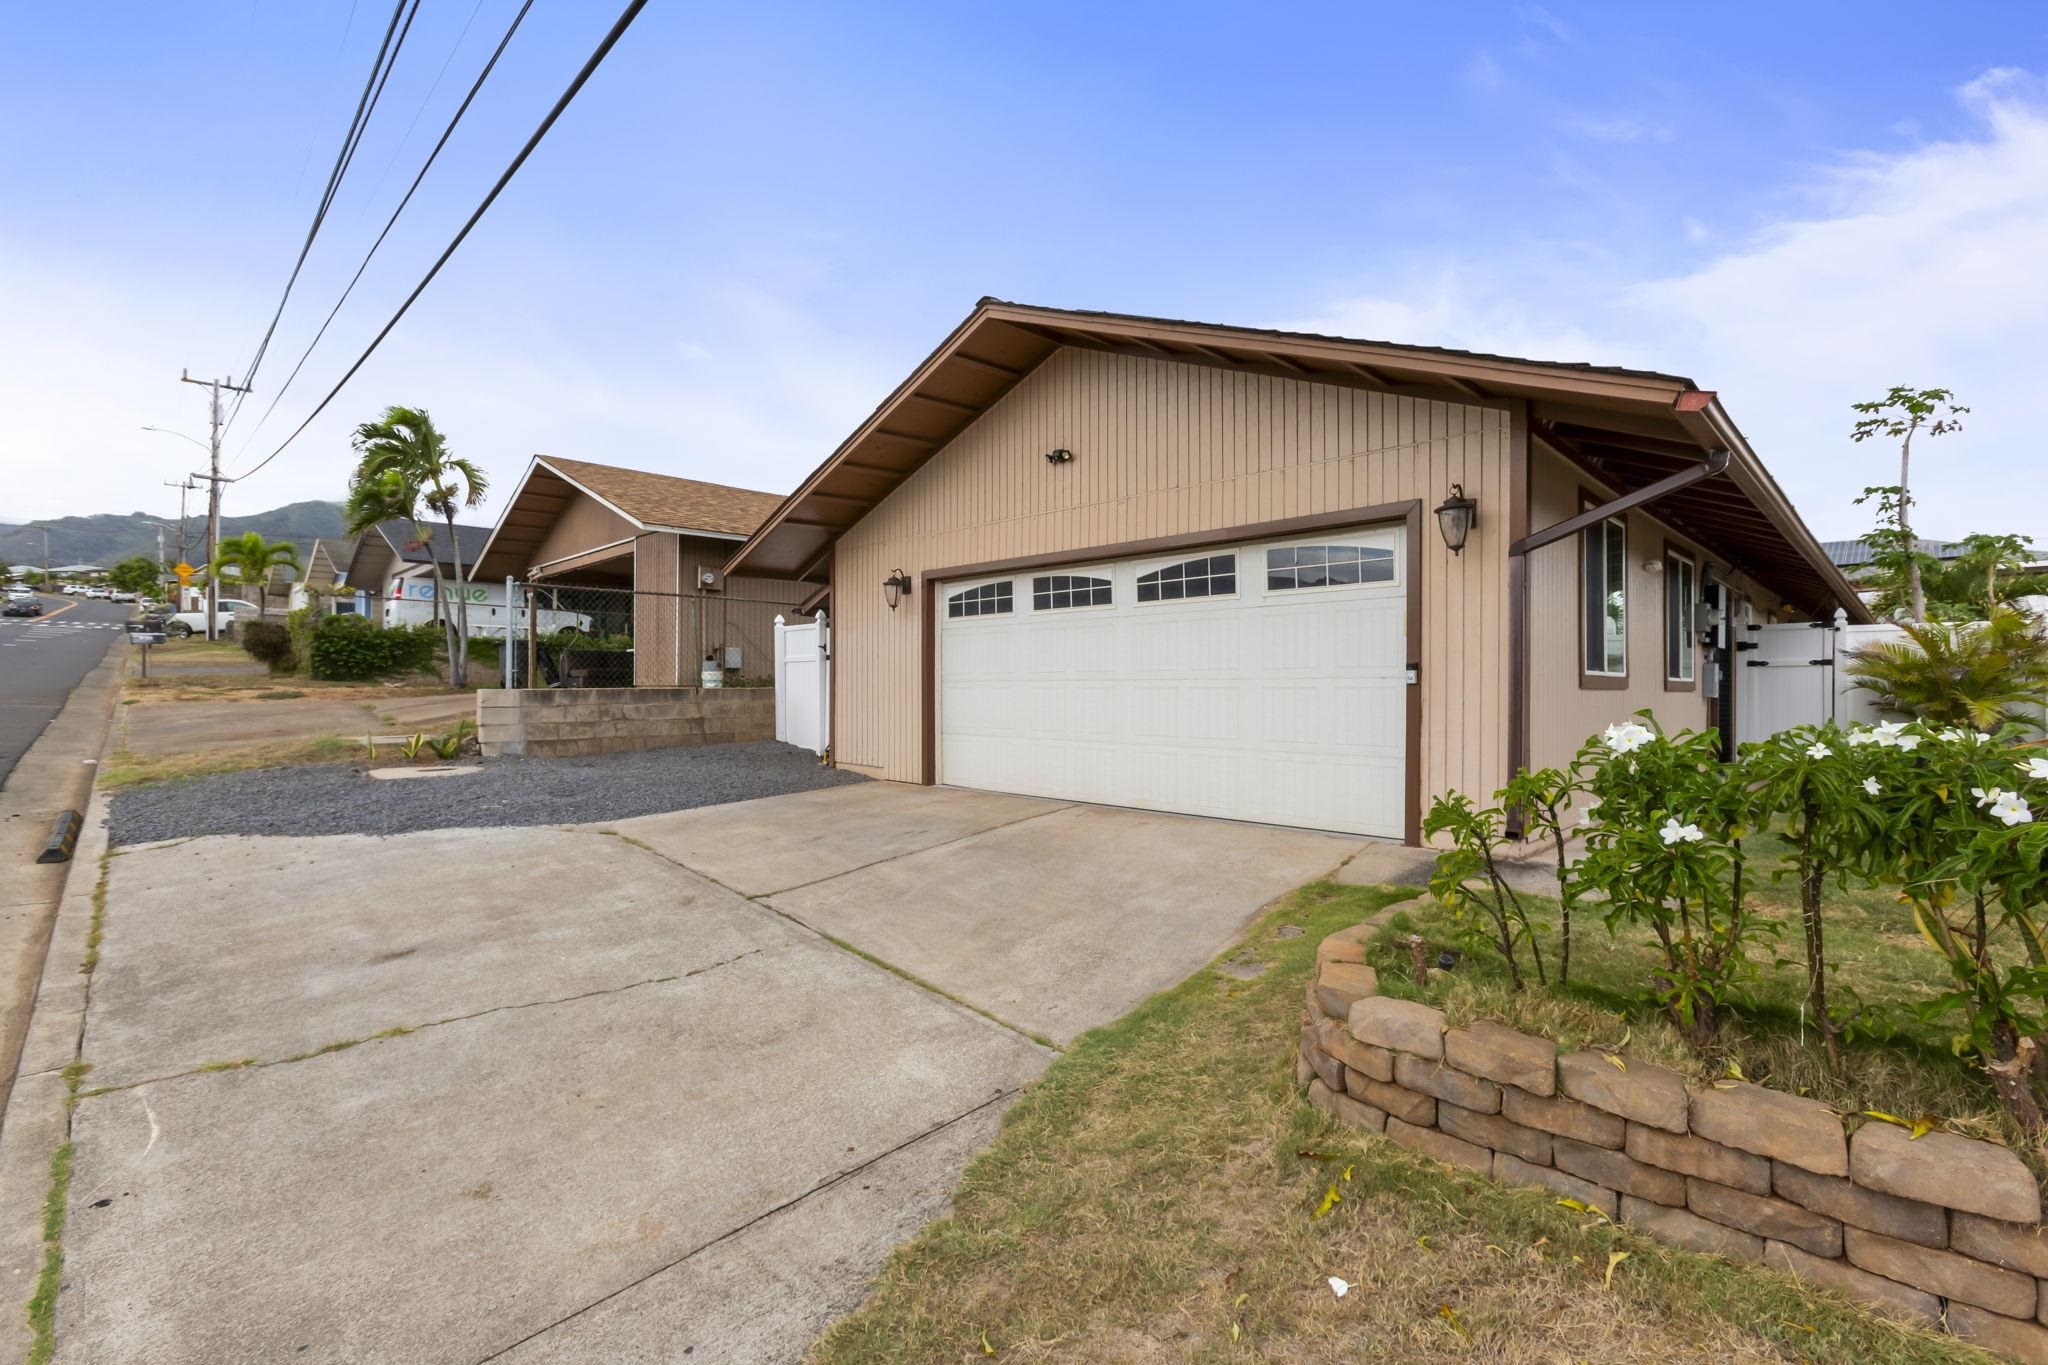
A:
(1798, 675)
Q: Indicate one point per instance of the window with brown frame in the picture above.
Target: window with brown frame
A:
(1681, 628)
(1603, 624)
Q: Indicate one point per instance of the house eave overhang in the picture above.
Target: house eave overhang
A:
(1658, 417)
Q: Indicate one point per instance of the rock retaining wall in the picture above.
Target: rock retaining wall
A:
(1941, 1228)
(565, 721)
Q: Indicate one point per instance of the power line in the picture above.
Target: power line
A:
(365, 105)
(618, 30)
(446, 133)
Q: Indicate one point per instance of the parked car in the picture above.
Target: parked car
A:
(19, 594)
(124, 596)
(22, 606)
(187, 623)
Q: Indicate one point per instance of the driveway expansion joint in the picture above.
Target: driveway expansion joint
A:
(403, 1030)
(1001, 1097)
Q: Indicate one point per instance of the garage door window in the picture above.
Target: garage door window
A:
(1327, 566)
(1054, 592)
(990, 599)
(1214, 576)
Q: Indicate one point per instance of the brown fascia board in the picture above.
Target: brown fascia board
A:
(1710, 424)
(1613, 385)
(532, 463)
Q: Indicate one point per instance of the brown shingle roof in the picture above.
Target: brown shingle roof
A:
(665, 500)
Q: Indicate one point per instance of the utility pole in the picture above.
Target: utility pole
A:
(213, 483)
(183, 486)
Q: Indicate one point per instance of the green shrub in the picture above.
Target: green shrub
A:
(270, 644)
(346, 647)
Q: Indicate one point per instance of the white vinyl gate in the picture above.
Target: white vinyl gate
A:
(803, 684)
(1793, 675)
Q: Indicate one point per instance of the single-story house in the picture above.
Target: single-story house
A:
(659, 543)
(392, 570)
(1296, 579)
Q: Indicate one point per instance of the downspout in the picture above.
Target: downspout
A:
(1519, 550)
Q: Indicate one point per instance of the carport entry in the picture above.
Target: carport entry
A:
(1260, 681)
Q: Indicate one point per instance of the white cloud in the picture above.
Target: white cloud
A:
(1616, 128)
(1919, 267)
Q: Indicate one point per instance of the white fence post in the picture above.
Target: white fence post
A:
(781, 685)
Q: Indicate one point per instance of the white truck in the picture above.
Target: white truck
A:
(194, 622)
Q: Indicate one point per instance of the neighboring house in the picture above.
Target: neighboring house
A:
(1196, 568)
(1853, 556)
(574, 524)
(392, 569)
(325, 560)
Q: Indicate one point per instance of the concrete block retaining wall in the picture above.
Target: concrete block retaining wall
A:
(566, 721)
(1945, 1229)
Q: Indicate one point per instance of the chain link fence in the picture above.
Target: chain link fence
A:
(563, 635)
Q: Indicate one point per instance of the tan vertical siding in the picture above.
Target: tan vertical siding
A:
(584, 524)
(1563, 714)
(1165, 448)
(657, 613)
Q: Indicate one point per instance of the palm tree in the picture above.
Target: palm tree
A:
(405, 473)
(1979, 675)
(251, 559)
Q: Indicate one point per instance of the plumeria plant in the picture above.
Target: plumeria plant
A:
(1468, 882)
(1962, 841)
(1663, 845)
(1824, 784)
(1544, 799)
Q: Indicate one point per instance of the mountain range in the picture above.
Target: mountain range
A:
(109, 538)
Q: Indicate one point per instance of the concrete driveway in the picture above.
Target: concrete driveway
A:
(610, 1093)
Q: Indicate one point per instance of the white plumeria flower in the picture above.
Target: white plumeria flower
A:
(1948, 734)
(1627, 737)
(2036, 769)
(1339, 1287)
(1871, 785)
(1673, 833)
(1818, 750)
(1890, 729)
(1589, 814)
(1987, 798)
(2012, 808)
(1863, 735)
(1906, 743)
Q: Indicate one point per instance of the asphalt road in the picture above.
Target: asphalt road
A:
(42, 658)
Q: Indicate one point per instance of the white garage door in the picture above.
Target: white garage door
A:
(1263, 681)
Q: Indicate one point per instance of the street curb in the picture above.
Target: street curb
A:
(37, 1113)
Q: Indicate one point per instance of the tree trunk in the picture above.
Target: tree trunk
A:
(458, 648)
(1915, 591)
(2010, 1068)
(1810, 879)
(1564, 902)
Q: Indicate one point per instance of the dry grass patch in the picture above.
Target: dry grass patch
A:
(129, 769)
(1153, 1198)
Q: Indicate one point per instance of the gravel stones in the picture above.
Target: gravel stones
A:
(340, 799)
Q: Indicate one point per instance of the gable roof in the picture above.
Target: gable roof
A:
(1628, 428)
(407, 543)
(651, 502)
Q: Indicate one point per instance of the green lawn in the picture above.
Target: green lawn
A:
(1152, 1198)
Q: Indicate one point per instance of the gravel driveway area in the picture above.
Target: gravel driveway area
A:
(342, 799)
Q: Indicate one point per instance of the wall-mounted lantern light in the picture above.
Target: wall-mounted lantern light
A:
(896, 587)
(1059, 456)
(1454, 517)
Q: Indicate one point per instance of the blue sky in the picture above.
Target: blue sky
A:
(756, 219)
